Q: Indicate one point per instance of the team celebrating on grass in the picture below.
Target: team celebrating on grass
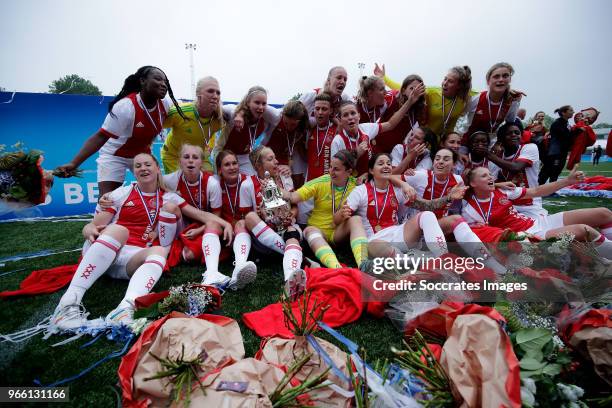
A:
(396, 167)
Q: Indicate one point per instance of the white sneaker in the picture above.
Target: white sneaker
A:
(214, 278)
(243, 275)
(295, 284)
(69, 317)
(122, 314)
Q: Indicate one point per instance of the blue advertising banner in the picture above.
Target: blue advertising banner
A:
(58, 125)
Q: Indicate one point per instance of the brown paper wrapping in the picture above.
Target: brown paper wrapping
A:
(474, 358)
(595, 344)
(262, 379)
(217, 344)
(284, 352)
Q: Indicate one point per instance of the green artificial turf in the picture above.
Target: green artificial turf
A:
(21, 363)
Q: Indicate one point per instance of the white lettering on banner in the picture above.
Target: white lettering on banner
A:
(73, 193)
(92, 192)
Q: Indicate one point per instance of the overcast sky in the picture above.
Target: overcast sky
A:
(560, 49)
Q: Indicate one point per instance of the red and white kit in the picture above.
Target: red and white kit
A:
(379, 210)
(366, 133)
(498, 211)
(230, 199)
(131, 129)
(204, 194)
(318, 150)
(486, 116)
(139, 212)
(528, 177)
(424, 180)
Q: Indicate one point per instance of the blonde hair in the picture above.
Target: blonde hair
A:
(329, 75)
(366, 84)
(160, 178)
(188, 145)
(256, 155)
(464, 77)
(218, 114)
(243, 106)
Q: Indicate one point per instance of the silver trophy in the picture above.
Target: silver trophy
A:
(274, 210)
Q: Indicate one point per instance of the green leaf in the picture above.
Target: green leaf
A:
(529, 373)
(535, 355)
(531, 364)
(533, 339)
(552, 369)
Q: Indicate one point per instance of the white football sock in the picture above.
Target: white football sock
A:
(96, 260)
(166, 228)
(292, 259)
(268, 237)
(211, 248)
(474, 247)
(434, 237)
(603, 246)
(242, 246)
(145, 277)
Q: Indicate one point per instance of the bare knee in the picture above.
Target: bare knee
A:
(119, 232)
(240, 226)
(310, 230)
(251, 220)
(354, 220)
(212, 226)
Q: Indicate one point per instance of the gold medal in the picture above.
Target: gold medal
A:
(290, 163)
(373, 142)
(377, 227)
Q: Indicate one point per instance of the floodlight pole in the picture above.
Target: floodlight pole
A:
(191, 47)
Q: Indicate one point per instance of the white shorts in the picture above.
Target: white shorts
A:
(545, 223)
(245, 164)
(532, 211)
(393, 235)
(305, 209)
(112, 168)
(118, 269)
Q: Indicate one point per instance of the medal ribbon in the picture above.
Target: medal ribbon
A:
(234, 204)
(492, 124)
(445, 123)
(333, 196)
(152, 219)
(480, 210)
(199, 204)
(146, 111)
(433, 180)
(379, 214)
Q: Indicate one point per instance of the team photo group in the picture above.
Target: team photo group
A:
(396, 166)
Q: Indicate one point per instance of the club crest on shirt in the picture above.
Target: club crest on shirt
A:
(152, 202)
(504, 201)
